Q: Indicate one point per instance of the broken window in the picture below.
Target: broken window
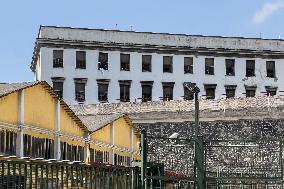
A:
(209, 66)
(58, 58)
(168, 90)
(230, 91)
(188, 65)
(81, 59)
(250, 91)
(146, 63)
(188, 94)
(80, 84)
(124, 90)
(230, 67)
(270, 68)
(210, 90)
(58, 85)
(271, 91)
(103, 61)
(168, 64)
(124, 62)
(103, 90)
(146, 90)
(250, 68)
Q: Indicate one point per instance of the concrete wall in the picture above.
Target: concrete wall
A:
(46, 72)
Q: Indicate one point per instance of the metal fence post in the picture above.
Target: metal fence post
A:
(200, 168)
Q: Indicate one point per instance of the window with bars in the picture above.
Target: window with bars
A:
(80, 84)
(103, 92)
(167, 64)
(209, 66)
(124, 90)
(103, 61)
(146, 63)
(168, 93)
(58, 58)
(124, 62)
(230, 67)
(230, 91)
(250, 68)
(81, 59)
(188, 65)
(270, 69)
(250, 91)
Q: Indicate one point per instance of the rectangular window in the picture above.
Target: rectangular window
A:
(250, 92)
(103, 61)
(188, 65)
(250, 68)
(80, 84)
(270, 69)
(230, 67)
(209, 66)
(81, 59)
(146, 63)
(210, 90)
(58, 58)
(103, 92)
(58, 88)
(124, 62)
(230, 93)
(168, 64)
(271, 91)
(168, 88)
(146, 90)
(188, 95)
(124, 90)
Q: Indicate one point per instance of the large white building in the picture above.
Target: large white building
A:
(94, 65)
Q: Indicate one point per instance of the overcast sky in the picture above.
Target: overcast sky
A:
(20, 20)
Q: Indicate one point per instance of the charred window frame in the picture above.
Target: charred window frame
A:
(270, 69)
(80, 85)
(81, 59)
(124, 62)
(188, 65)
(103, 90)
(167, 64)
(58, 58)
(230, 91)
(210, 90)
(230, 67)
(250, 90)
(58, 85)
(124, 90)
(188, 94)
(146, 90)
(146, 63)
(168, 90)
(271, 90)
(209, 66)
(103, 61)
(250, 68)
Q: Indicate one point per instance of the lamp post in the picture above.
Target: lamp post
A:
(198, 141)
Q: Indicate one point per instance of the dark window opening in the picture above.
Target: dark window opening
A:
(124, 62)
(168, 64)
(250, 92)
(230, 67)
(250, 68)
(210, 91)
(124, 90)
(58, 88)
(81, 59)
(80, 90)
(102, 91)
(209, 66)
(58, 58)
(146, 63)
(99, 156)
(103, 61)
(271, 91)
(188, 65)
(188, 94)
(168, 91)
(270, 69)
(146, 90)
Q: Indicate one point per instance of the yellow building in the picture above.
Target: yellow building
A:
(35, 123)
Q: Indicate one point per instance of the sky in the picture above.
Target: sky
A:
(20, 21)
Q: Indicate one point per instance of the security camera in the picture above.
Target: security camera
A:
(174, 135)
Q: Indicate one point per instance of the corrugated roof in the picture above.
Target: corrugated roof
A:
(96, 122)
(6, 89)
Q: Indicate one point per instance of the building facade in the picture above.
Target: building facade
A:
(91, 65)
